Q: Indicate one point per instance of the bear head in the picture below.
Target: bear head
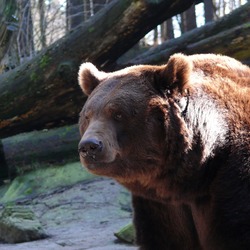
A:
(129, 123)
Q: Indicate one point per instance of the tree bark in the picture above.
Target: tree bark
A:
(74, 14)
(228, 35)
(188, 19)
(44, 92)
(21, 153)
(234, 42)
(170, 29)
(167, 30)
(209, 10)
(8, 25)
(25, 39)
(42, 23)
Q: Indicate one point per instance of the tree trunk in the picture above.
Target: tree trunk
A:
(155, 37)
(42, 22)
(167, 30)
(188, 19)
(23, 152)
(170, 29)
(232, 29)
(234, 42)
(25, 42)
(8, 25)
(75, 14)
(208, 10)
(44, 91)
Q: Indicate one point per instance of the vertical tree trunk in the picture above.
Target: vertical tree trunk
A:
(7, 27)
(155, 38)
(167, 30)
(86, 9)
(223, 8)
(188, 19)
(75, 16)
(25, 35)
(209, 10)
(170, 29)
(163, 32)
(42, 23)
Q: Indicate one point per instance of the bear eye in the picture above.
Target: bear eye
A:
(118, 116)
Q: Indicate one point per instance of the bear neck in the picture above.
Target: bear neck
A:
(201, 149)
(206, 125)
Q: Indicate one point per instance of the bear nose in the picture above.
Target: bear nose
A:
(90, 147)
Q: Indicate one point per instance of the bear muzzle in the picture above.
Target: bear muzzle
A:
(90, 148)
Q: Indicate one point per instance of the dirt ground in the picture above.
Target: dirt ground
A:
(82, 216)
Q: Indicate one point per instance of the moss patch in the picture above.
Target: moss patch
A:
(19, 224)
(43, 180)
(126, 234)
(44, 61)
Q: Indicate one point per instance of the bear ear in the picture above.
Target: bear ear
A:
(176, 74)
(89, 77)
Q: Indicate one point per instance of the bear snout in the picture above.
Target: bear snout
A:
(90, 148)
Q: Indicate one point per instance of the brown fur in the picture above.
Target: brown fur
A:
(178, 137)
(227, 78)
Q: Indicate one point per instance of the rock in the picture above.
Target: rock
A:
(84, 215)
(126, 234)
(19, 224)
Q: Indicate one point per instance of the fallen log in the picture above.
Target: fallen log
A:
(44, 93)
(229, 35)
(24, 152)
(234, 42)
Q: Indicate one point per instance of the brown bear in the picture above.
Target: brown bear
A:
(178, 137)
